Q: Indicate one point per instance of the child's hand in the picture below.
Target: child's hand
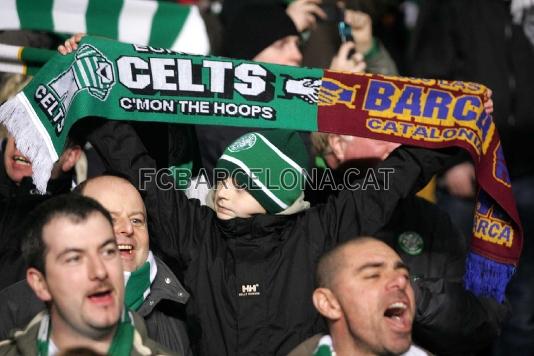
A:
(342, 62)
(70, 44)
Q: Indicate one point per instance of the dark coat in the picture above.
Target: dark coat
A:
(251, 279)
(163, 310)
(435, 251)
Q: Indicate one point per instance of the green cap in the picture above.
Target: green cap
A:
(269, 164)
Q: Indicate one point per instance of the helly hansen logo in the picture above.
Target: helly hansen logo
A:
(249, 290)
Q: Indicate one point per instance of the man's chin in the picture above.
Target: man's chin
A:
(399, 346)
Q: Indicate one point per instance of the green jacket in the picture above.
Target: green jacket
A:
(24, 342)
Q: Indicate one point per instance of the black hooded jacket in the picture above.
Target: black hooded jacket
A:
(251, 279)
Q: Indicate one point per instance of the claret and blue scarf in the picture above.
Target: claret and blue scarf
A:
(121, 81)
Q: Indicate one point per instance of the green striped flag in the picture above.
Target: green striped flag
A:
(158, 24)
(23, 60)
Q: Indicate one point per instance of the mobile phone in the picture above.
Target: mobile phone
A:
(345, 33)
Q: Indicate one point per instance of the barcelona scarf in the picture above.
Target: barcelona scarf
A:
(139, 83)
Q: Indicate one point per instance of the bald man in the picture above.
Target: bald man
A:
(364, 293)
(151, 289)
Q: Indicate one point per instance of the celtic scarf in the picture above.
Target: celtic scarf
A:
(138, 283)
(324, 347)
(159, 24)
(128, 82)
(121, 343)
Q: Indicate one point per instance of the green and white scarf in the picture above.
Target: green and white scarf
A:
(158, 24)
(121, 343)
(120, 81)
(138, 283)
(325, 347)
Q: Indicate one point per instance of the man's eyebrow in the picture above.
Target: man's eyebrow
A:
(369, 265)
(402, 265)
(137, 213)
(111, 240)
(68, 250)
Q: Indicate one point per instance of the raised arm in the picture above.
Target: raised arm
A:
(176, 224)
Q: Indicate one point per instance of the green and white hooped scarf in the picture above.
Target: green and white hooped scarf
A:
(325, 347)
(119, 81)
(138, 283)
(121, 343)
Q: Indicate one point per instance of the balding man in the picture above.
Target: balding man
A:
(151, 289)
(364, 293)
(429, 243)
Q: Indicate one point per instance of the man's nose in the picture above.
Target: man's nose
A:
(97, 269)
(398, 280)
(123, 227)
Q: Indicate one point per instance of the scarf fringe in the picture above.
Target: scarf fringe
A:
(17, 120)
(487, 278)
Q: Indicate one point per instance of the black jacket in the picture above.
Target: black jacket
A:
(475, 40)
(251, 279)
(163, 310)
(435, 250)
(16, 201)
(449, 320)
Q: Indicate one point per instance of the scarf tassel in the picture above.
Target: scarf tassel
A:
(487, 278)
(14, 115)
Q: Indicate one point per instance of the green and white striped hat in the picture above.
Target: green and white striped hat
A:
(269, 164)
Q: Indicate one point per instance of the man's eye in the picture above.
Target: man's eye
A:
(136, 221)
(372, 276)
(72, 259)
(112, 251)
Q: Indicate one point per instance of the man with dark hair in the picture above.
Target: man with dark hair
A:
(75, 268)
(152, 290)
(364, 293)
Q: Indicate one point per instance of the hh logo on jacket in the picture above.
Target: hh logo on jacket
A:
(249, 290)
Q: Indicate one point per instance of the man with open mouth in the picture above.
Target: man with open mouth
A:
(75, 268)
(152, 290)
(364, 293)
(18, 196)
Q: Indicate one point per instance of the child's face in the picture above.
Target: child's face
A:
(234, 202)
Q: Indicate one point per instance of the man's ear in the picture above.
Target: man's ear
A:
(37, 282)
(327, 304)
(337, 146)
(70, 157)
